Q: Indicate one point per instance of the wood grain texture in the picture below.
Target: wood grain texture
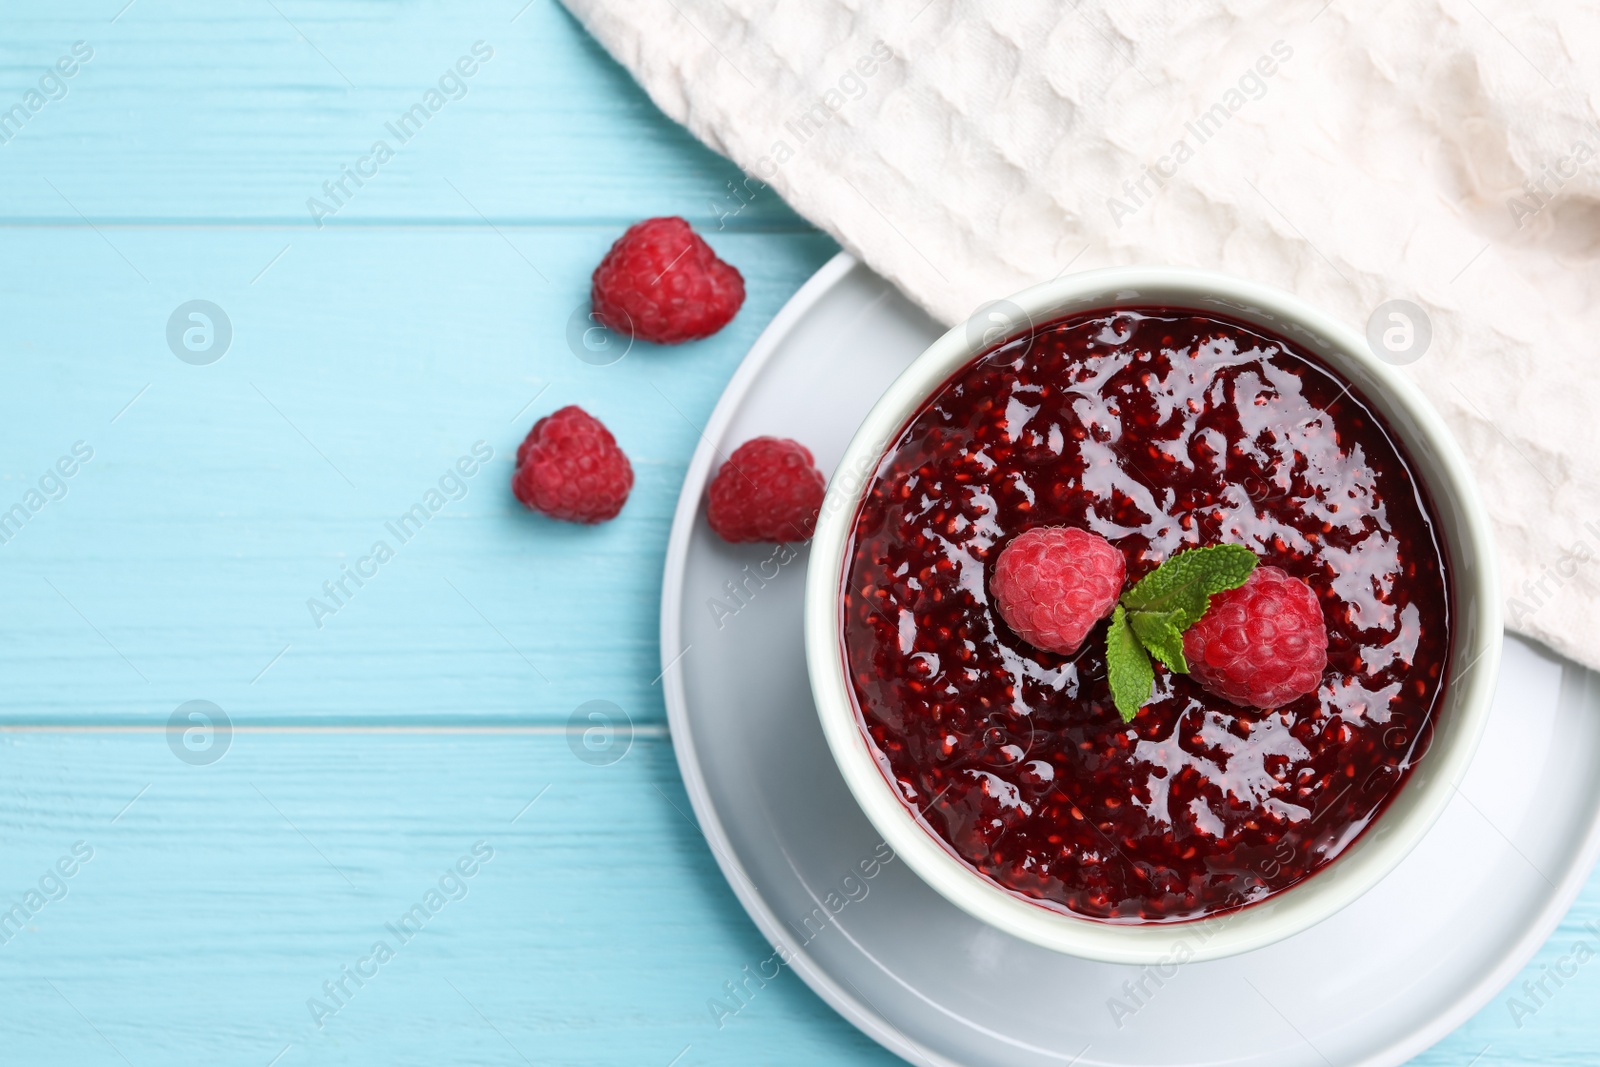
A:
(198, 112)
(224, 896)
(368, 355)
(181, 561)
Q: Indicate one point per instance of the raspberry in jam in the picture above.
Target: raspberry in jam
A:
(1158, 429)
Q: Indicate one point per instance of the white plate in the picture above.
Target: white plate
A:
(1375, 984)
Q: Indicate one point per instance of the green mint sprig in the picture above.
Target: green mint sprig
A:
(1151, 617)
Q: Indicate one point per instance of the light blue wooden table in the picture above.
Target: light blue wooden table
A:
(215, 912)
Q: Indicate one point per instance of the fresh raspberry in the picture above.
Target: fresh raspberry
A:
(570, 468)
(1053, 583)
(1260, 645)
(769, 490)
(660, 282)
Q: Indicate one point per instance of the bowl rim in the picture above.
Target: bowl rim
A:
(1475, 610)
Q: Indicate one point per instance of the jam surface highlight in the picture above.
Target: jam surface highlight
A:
(1159, 430)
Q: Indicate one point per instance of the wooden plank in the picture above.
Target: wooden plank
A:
(364, 364)
(218, 902)
(191, 111)
(223, 898)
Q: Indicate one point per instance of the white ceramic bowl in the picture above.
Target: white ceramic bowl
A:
(1474, 606)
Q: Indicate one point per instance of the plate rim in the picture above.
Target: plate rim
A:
(684, 517)
(1473, 999)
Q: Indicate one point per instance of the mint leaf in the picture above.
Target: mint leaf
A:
(1161, 633)
(1184, 584)
(1152, 616)
(1128, 667)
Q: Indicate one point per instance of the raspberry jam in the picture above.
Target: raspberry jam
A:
(1158, 429)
